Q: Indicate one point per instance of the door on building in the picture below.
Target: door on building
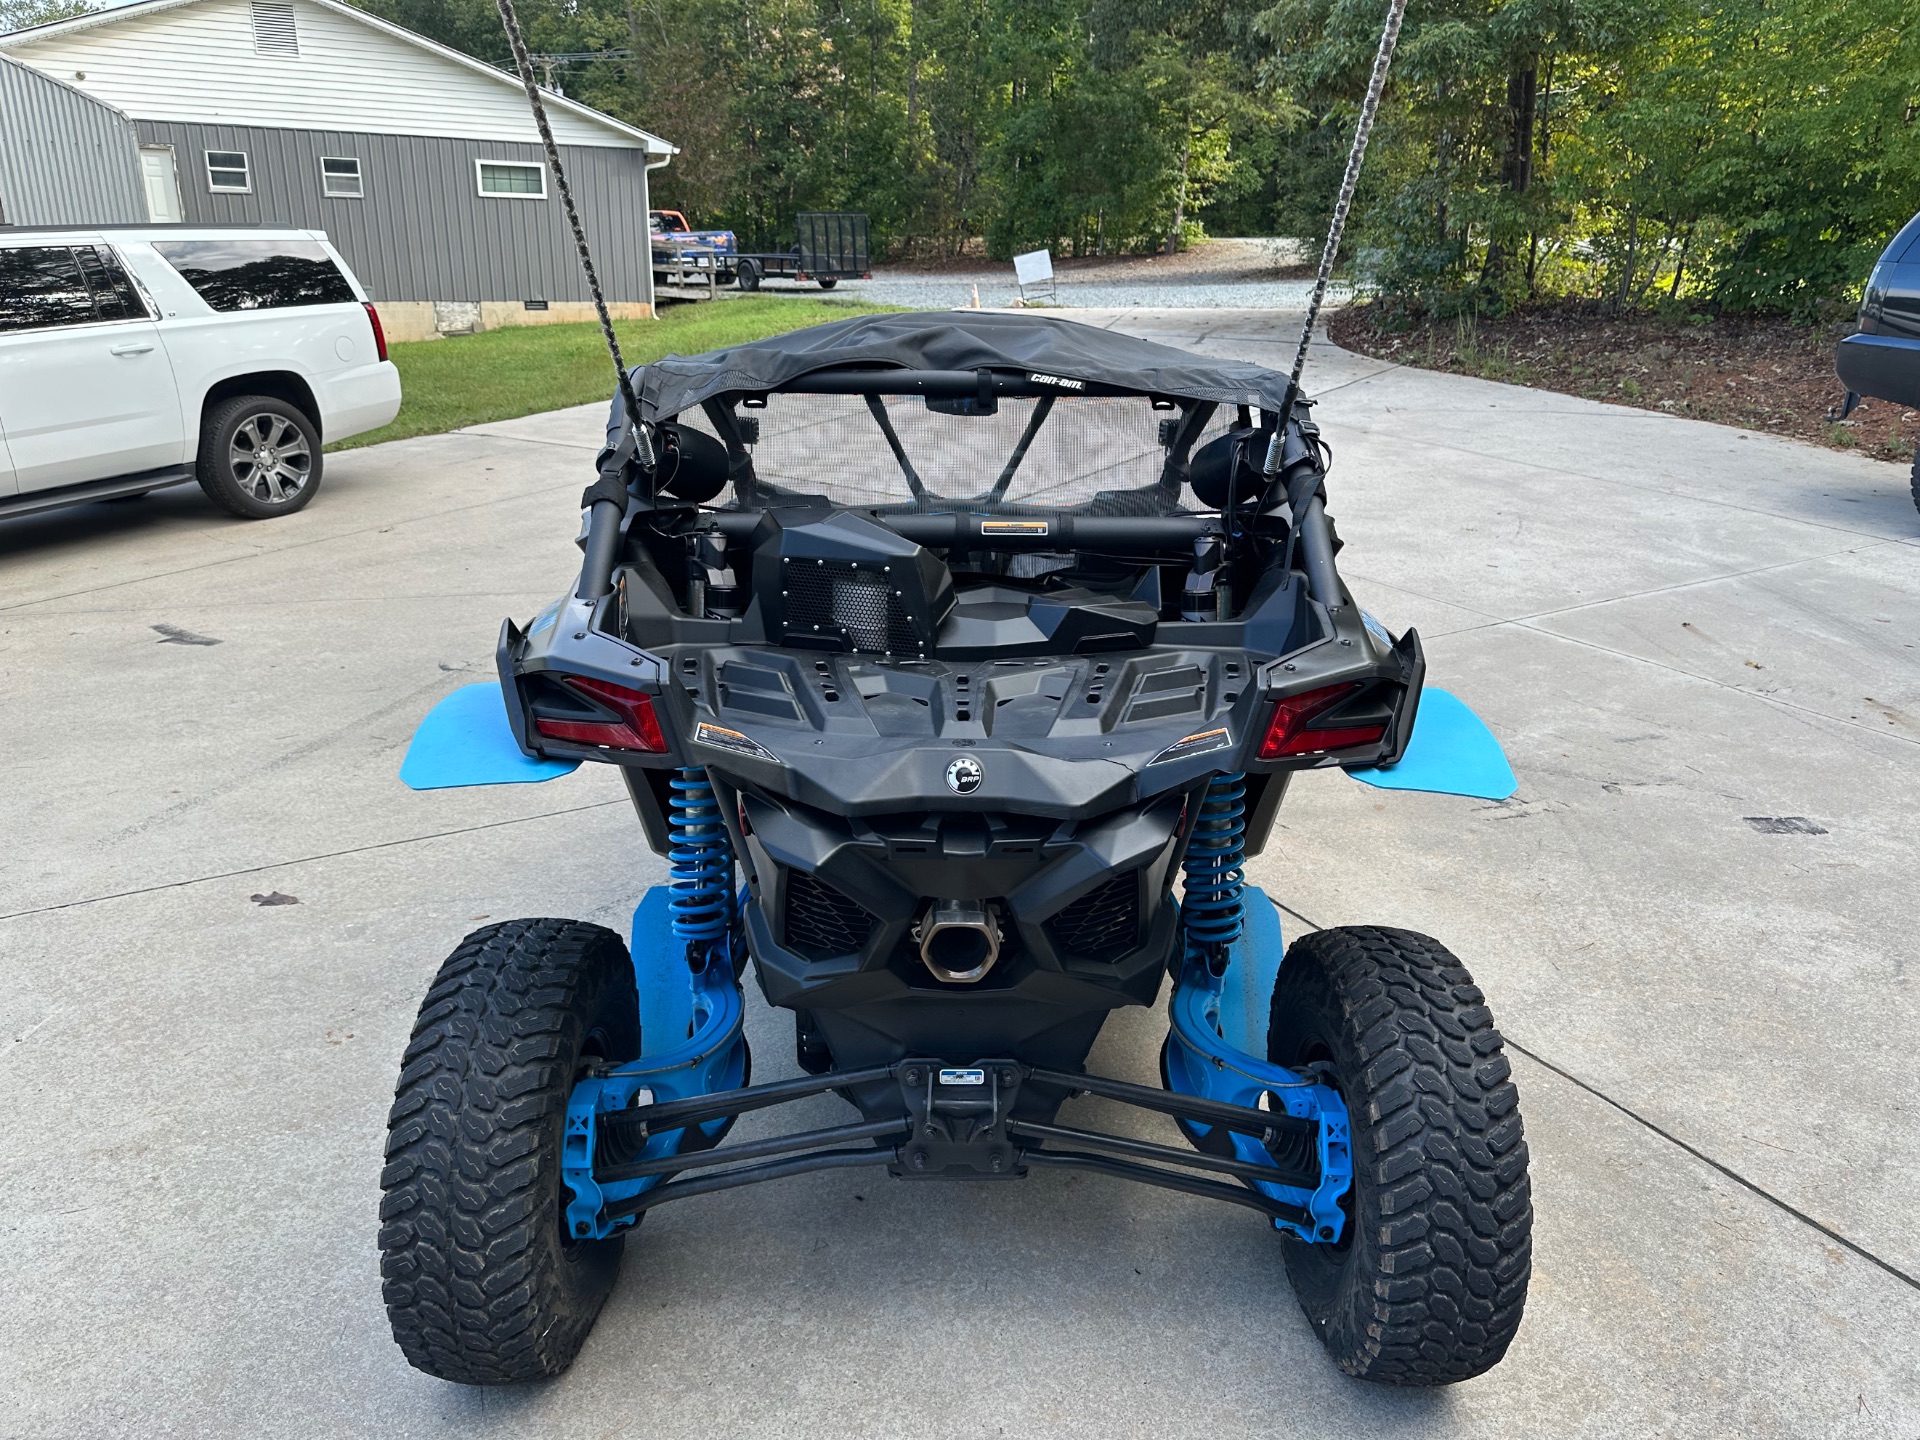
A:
(162, 183)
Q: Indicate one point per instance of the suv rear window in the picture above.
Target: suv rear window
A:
(42, 286)
(258, 274)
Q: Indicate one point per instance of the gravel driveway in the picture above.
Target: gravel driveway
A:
(1226, 273)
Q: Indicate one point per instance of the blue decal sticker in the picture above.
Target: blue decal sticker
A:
(1451, 753)
(465, 740)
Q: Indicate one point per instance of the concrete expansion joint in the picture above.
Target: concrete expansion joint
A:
(1754, 1187)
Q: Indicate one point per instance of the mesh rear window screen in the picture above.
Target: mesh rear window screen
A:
(1094, 454)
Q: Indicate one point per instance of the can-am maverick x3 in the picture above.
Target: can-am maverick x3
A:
(982, 648)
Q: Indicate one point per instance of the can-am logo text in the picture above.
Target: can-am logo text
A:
(1059, 382)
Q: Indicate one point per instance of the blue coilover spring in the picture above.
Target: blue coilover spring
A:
(699, 867)
(1215, 855)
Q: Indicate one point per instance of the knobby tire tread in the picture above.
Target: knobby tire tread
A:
(480, 1284)
(1433, 1285)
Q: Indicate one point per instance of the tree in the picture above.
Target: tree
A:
(19, 14)
(1757, 151)
(1753, 153)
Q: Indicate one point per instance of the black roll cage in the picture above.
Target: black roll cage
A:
(1293, 474)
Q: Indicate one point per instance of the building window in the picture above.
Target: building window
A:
(227, 170)
(340, 175)
(273, 32)
(515, 179)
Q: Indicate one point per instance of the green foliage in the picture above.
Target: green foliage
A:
(1082, 125)
(1750, 154)
(1754, 154)
(19, 14)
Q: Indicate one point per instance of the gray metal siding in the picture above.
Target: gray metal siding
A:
(422, 232)
(65, 159)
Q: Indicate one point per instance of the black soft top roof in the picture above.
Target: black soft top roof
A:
(954, 340)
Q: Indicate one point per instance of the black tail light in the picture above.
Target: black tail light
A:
(636, 729)
(1305, 724)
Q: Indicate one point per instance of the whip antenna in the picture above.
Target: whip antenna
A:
(524, 63)
(1389, 37)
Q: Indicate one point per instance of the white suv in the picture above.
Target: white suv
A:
(140, 357)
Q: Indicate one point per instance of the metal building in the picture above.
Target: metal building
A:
(65, 158)
(422, 164)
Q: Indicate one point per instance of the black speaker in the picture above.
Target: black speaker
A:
(693, 465)
(1212, 472)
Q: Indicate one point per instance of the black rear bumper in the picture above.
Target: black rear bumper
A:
(1881, 367)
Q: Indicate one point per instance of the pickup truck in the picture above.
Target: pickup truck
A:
(679, 249)
(133, 358)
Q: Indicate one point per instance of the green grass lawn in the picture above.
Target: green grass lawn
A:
(500, 374)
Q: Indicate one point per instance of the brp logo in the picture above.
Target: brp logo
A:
(964, 775)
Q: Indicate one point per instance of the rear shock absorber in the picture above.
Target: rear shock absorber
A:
(699, 869)
(1212, 909)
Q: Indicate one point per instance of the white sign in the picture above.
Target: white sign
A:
(1031, 269)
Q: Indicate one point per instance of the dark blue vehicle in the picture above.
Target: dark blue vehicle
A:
(1882, 361)
(955, 663)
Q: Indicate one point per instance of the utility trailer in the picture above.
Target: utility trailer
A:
(830, 246)
(692, 277)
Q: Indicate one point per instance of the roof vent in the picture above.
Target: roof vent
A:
(273, 32)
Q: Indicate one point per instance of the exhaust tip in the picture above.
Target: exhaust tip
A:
(959, 940)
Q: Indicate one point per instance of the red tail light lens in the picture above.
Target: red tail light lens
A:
(1292, 730)
(637, 729)
(379, 333)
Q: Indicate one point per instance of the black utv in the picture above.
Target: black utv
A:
(956, 664)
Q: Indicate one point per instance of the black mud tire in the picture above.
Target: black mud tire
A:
(827, 282)
(1915, 482)
(1427, 1285)
(252, 490)
(482, 1285)
(747, 277)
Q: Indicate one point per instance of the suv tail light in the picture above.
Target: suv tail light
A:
(379, 333)
(637, 729)
(1292, 730)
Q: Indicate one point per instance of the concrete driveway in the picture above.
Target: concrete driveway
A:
(1694, 922)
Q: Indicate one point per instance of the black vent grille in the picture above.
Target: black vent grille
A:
(844, 601)
(1101, 924)
(821, 922)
